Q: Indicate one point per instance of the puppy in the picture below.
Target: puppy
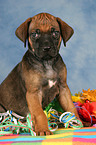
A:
(41, 75)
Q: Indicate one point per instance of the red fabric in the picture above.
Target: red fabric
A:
(88, 107)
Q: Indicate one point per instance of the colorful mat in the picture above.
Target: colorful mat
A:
(84, 136)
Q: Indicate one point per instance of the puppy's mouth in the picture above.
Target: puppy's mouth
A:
(43, 50)
(47, 57)
(46, 53)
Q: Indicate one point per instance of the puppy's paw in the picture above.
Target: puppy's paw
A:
(43, 132)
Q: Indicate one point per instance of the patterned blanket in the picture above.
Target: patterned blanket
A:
(84, 136)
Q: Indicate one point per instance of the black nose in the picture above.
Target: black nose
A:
(46, 48)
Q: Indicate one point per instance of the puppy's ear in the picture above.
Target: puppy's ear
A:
(66, 30)
(22, 31)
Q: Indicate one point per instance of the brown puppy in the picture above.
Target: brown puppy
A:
(41, 75)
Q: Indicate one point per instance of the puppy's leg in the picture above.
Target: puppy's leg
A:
(65, 94)
(39, 118)
(2, 108)
(67, 104)
(66, 100)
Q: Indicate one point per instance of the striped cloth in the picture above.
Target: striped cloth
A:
(84, 136)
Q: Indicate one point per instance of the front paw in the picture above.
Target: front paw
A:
(40, 123)
(43, 132)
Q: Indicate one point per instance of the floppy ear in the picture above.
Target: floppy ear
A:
(22, 31)
(66, 30)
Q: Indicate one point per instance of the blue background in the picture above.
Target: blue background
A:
(80, 53)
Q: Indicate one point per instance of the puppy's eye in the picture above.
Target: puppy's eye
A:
(38, 31)
(35, 34)
(52, 30)
(55, 33)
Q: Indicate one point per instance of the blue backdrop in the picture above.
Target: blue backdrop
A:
(80, 53)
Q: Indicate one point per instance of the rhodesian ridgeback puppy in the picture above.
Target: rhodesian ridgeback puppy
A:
(41, 75)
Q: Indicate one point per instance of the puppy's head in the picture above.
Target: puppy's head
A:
(44, 33)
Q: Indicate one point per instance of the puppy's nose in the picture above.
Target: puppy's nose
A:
(46, 45)
(46, 48)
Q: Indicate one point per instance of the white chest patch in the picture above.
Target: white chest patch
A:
(51, 83)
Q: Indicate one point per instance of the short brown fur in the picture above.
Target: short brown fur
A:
(27, 88)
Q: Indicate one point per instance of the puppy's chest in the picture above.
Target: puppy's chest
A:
(50, 85)
(50, 77)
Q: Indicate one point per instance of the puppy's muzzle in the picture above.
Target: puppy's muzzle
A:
(46, 48)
